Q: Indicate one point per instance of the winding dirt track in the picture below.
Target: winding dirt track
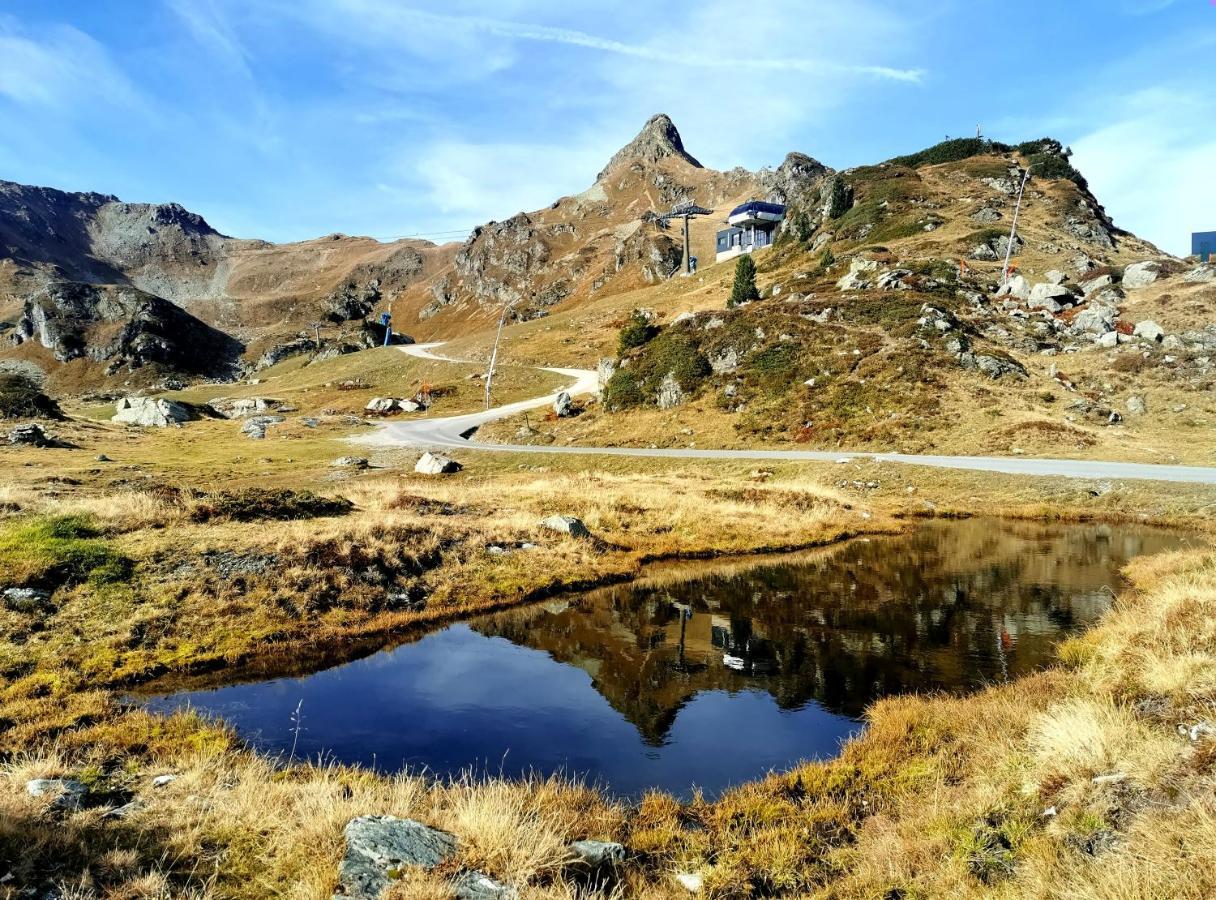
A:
(454, 433)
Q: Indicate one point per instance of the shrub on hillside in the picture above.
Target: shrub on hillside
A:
(21, 399)
(952, 150)
(265, 504)
(622, 391)
(636, 332)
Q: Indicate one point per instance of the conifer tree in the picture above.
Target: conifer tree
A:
(744, 288)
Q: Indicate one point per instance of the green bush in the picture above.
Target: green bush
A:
(263, 504)
(744, 288)
(637, 331)
(952, 150)
(622, 391)
(20, 399)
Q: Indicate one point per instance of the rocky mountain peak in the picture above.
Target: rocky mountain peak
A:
(658, 139)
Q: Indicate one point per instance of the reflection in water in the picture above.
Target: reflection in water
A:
(706, 675)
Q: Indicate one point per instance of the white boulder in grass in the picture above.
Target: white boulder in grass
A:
(436, 464)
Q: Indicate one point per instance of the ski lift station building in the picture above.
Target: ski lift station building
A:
(1203, 245)
(750, 227)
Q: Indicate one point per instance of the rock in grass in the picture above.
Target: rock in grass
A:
(596, 854)
(476, 886)
(1149, 330)
(1141, 274)
(436, 464)
(350, 462)
(65, 793)
(1136, 406)
(150, 412)
(26, 599)
(567, 525)
(563, 406)
(30, 434)
(378, 848)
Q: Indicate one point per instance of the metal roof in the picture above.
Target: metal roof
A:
(758, 206)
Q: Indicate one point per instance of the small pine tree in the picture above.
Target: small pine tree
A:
(744, 289)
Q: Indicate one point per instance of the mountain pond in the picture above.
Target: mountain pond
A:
(701, 675)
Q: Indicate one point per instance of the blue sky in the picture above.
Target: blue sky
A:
(287, 119)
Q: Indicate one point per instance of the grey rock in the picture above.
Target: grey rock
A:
(409, 406)
(1089, 285)
(1141, 274)
(380, 848)
(1095, 412)
(893, 280)
(597, 854)
(999, 366)
(1202, 274)
(149, 412)
(1109, 340)
(604, 370)
(1149, 330)
(566, 525)
(1048, 291)
(1136, 406)
(256, 427)
(983, 253)
(436, 464)
(30, 434)
(381, 405)
(66, 793)
(725, 361)
(1017, 286)
(350, 462)
(563, 406)
(987, 216)
(855, 279)
(670, 393)
(1055, 276)
(476, 886)
(240, 407)
(1095, 319)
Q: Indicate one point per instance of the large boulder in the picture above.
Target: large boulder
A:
(1202, 274)
(150, 412)
(859, 268)
(255, 428)
(240, 407)
(380, 849)
(381, 405)
(1141, 274)
(670, 393)
(436, 464)
(1096, 319)
(563, 406)
(1149, 330)
(1017, 286)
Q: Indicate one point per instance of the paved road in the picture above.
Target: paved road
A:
(454, 433)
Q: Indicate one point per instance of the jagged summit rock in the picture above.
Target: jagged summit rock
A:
(790, 180)
(658, 139)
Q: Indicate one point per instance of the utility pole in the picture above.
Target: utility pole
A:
(1013, 228)
(316, 327)
(685, 211)
(502, 319)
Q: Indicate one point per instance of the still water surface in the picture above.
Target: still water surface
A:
(704, 675)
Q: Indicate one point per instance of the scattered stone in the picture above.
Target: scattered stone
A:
(1136, 406)
(1096, 412)
(1108, 340)
(161, 781)
(409, 406)
(350, 462)
(987, 216)
(1096, 284)
(436, 464)
(1017, 286)
(595, 854)
(381, 405)
(1201, 274)
(1112, 778)
(1096, 319)
(1055, 276)
(999, 366)
(563, 406)
(65, 793)
(1149, 330)
(566, 525)
(240, 407)
(256, 427)
(379, 848)
(1141, 274)
(123, 812)
(30, 434)
(476, 886)
(149, 412)
(101, 457)
(858, 268)
(26, 599)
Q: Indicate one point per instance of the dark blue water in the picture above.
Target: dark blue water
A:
(706, 676)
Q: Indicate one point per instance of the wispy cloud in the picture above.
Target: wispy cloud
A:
(58, 68)
(208, 25)
(671, 54)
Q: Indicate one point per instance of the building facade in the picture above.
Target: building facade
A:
(1203, 245)
(750, 227)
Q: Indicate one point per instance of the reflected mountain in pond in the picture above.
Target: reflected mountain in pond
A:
(951, 606)
(703, 674)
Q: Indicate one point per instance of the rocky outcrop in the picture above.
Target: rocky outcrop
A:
(791, 182)
(656, 254)
(658, 139)
(125, 327)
